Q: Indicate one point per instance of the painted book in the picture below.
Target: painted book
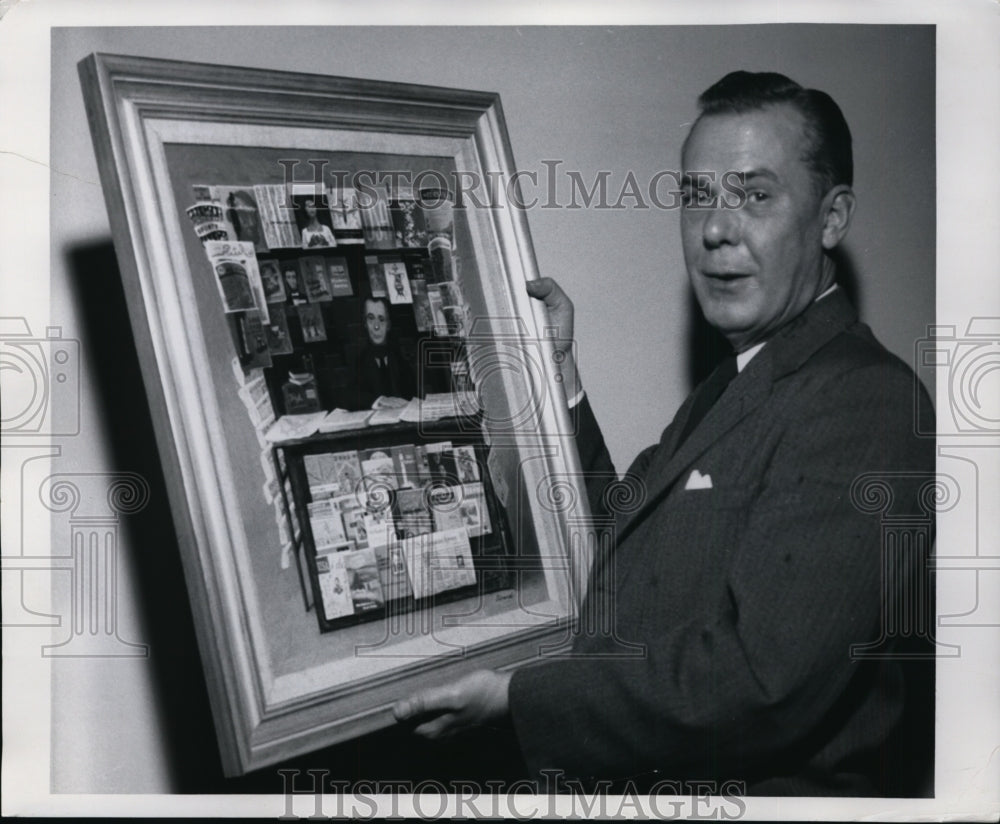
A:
(345, 214)
(376, 276)
(334, 585)
(339, 277)
(392, 571)
(376, 221)
(314, 278)
(366, 587)
(277, 216)
(311, 321)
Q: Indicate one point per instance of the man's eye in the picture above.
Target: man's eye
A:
(757, 196)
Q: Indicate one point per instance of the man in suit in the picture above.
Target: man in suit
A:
(748, 573)
(383, 372)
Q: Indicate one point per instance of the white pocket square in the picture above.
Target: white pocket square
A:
(698, 481)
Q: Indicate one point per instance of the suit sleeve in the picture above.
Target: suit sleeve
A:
(595, 460)
(752, 677)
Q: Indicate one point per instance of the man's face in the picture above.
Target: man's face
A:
(756, 267)
(376, 321)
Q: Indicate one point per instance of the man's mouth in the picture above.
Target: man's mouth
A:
(725, 276)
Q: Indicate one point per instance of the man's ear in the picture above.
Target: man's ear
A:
(838, 208)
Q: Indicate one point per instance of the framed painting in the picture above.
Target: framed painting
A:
(370, 460)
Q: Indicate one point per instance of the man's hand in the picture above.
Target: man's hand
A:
(559, 309)
(476, 699)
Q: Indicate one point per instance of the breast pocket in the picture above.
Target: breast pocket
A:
(688, 546)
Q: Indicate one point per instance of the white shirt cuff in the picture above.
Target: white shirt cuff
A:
(575, 399)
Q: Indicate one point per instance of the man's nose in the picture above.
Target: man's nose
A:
(721, 226)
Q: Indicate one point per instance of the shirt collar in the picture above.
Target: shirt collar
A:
(743, 358)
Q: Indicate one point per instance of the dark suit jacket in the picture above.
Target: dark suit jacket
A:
(746, 597)
(395, 380)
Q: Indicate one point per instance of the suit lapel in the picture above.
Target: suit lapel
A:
(785, 353)
(742, 396)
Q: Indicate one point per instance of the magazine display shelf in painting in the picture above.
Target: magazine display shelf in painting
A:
(395, 524)
(343, 332)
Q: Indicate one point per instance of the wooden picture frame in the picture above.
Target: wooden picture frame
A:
(280, 686)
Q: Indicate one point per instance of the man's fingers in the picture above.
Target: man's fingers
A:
(546, 289)
(439, 727)
(539, 287)
(428, 701)
(558, 306)
(403, 710)
(479, 697)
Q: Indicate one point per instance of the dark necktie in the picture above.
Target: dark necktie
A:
(707, 395)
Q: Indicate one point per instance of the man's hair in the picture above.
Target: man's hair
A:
(375, 299)
(828, 154)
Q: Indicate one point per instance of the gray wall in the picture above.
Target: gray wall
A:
(616, 99)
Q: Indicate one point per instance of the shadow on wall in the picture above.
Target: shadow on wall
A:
(706, 347)
(182, 704)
